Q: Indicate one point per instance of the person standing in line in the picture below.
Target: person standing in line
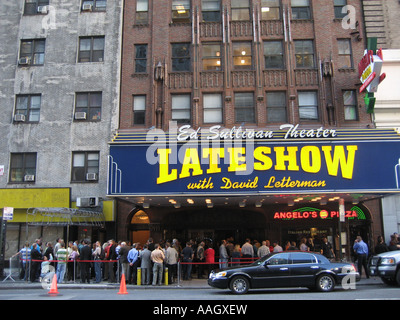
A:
(157, 256)
(201, 259)
(97, 262)
(277, 247)
(187, 256)
(134, 262)
(223, 255)
(85, 257)
(112, 257)
(37, 258)
(247, 251)
(25, 257)
(263, 250)
(361, 251)
(123, 259)
(171, 261)
(327, 249)
(61, 256)
(145, 264)
(210, 257)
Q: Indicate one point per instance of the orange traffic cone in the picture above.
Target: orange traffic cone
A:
(53, 288)
(122, 287)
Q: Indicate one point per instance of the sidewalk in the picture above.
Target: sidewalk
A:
(187, 284)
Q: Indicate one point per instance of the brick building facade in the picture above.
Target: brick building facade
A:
(237, 64)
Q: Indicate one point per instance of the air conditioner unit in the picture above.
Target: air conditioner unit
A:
(80, 115)
(87, 7)
(19, 118)
(42, 9)
(24, 61)
(87, 202)
(91, 176)
(29, 177)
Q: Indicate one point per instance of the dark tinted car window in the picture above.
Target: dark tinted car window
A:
(282, 258)
(302, 258)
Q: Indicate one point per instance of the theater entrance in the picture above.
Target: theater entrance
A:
(214, 224)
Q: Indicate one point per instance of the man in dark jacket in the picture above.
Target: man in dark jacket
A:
(37, 258)
(85, 256)
(112, 256)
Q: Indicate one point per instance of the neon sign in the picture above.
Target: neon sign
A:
(308, 213)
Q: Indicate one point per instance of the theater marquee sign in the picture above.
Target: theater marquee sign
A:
(222, 161)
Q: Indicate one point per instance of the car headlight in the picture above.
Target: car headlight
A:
(387, 261)
(221, 274)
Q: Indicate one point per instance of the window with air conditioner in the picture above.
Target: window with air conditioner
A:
(85, 166)
(88, 106)
(22, 167)
(27, 108)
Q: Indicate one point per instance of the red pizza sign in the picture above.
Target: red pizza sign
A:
(369, 70)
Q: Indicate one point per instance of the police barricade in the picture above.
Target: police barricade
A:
(15, 268)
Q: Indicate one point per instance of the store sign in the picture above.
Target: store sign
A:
(238, 166)
(308, 213)
(369, 70)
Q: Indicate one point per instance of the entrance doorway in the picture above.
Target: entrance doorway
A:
(139, 230)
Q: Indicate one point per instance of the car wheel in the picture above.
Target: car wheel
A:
(239, 285)
(325, 283)
(398, 277)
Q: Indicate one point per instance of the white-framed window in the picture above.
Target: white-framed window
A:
(212, 108)
(308, 105)
(181, 108)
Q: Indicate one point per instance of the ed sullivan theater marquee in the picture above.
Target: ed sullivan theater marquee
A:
(236, 182)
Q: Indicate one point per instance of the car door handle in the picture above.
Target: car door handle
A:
(314, 267)
(284, 269)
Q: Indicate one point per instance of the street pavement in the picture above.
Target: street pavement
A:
(187, 284)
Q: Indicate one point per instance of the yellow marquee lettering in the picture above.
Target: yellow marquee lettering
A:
(310, 158)
(213, 155)
(265, 161)
(339, 158)
(191, 162)
(281, 158)
(164, 175)
(237, 156)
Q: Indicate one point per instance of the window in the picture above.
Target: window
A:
(180, 11)
(276, 107)
(273, 55)
(242, 55)
(85, 166)
(212, 107)
(304, 50)
(211, 10)
(23, 167)
(142, 11)
(240, 10)
(27, 108)
(308, 105)
(301, 9)
(34, 6)
(300, 258)
(181, 57)
(244, 107)
(211, 57)
(91, 49)
(345, 59)
(280, 258)
(94, 5)
(139, 109)
(338, 7)
(88, 106)
(140, 58)
(350, 105)
(32, 52)
(270, 9)
(181, 108)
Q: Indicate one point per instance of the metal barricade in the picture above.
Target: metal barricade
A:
(14, 268)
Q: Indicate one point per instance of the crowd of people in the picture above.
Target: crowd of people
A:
(99, 262)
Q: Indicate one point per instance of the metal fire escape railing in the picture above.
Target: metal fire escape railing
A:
(64, 217)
